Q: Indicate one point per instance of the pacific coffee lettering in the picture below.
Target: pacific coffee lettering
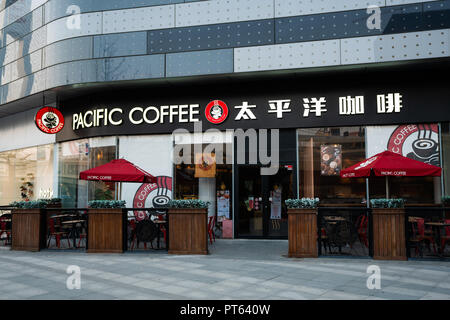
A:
(137, 116)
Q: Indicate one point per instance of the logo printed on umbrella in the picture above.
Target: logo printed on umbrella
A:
(366, 163)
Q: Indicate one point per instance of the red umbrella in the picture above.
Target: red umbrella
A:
(119, 170)
(387, 164)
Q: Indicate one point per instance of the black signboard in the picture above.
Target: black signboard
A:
(147, 112)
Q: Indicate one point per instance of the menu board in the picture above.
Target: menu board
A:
(330, 159)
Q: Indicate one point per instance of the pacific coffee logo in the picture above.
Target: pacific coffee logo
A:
(216, 112)
(49, 120)
(418, 142)
(158, 194)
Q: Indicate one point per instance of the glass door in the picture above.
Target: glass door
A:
(250, 201)
(279, 188)
(261, 209)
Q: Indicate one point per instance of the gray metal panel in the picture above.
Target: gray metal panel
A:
(55, 9)
(68, 50)
(26, 65)
(287, 56)
(91, 24)
(76, 72)
(323, 27)
(34, 41)
(397, 2)
(121, 44)
(150, 18)
(217, 11)
(284, 8)
(20, 9)
(199, 63)
(405, 18)
(407, 46)
(131, 68)
(211, 36)
(436, 15)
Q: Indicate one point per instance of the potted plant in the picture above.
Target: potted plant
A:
(28, 225)
(389, 237)
(302, 223)
(107, 226)
(188, 223)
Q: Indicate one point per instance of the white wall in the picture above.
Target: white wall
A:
(19, 131)
(151, 153)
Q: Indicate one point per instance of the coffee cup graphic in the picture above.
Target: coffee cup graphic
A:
(424, 148)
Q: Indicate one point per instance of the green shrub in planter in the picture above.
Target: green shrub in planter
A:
(37, 204)
(303, 203)
(188, 204)
(388, 203)
(52, 201)
(106, 204)
(446, 201)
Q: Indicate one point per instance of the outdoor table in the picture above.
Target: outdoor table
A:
(73, 231)
(437, 226)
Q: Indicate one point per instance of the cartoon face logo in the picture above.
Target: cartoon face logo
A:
(153, 195)
(418, 142)
(49, 120)
(216, 112)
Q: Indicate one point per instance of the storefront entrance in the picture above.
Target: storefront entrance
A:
(261, 212)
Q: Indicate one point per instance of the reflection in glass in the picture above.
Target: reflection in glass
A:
(322, 153)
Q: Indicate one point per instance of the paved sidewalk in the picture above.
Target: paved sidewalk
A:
(235, 269)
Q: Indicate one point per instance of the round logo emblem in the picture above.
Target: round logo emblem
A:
(155, 194)
(216, 111)
(49, 120)
(419, 142)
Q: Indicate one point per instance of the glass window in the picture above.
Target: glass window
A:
(26, 174)
(201, 175)
(323, 153)
(80, 155)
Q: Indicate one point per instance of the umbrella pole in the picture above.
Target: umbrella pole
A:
(387, 187)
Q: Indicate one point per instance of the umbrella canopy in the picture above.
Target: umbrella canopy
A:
(119, 170)
(388, 163)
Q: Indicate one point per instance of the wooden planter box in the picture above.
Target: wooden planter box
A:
(28, 229)
(188, 231)
(389, 239)
(302, 233)
(106, 233)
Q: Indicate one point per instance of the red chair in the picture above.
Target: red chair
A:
(4, 230)
(132, 224)
(423, 235)
(83, 233)
(162, 227)
(446, 237)
(56, 234)
(211, 223)
(361, 225)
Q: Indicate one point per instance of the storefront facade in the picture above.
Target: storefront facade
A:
(243, 127)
